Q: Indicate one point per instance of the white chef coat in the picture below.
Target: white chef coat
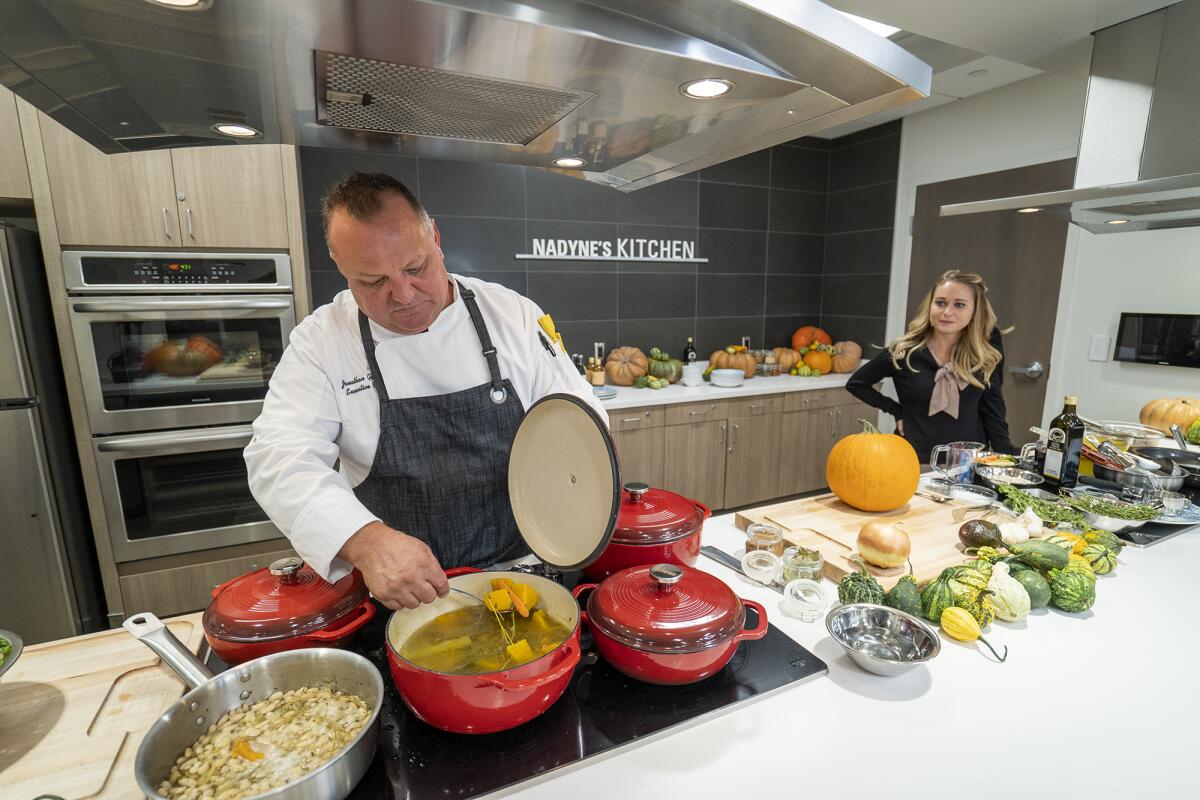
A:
(320, 411)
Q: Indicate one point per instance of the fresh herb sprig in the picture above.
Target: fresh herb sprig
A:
(1048, 510)
(1112, 508)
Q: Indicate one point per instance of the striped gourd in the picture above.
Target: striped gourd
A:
(1071, 590)
(1099, 558)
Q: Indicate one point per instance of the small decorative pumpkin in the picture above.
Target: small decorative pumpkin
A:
(661, 365)
(723, 359)
(1168, 411)
(809, 334)
(873, 471)
(786, 358)
(625, 365)
(819, 359)
(846, 356)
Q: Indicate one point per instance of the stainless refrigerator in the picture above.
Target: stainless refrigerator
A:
(49, 578)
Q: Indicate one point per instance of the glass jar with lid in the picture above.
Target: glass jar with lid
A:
(800, 562)
(762, 536)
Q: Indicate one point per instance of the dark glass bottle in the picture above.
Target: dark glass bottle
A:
(1061, 468)
(689, 352)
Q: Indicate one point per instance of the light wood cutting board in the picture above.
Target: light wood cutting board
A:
(73, 712)
(827, 524)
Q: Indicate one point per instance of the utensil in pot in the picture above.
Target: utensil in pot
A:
(1143, 480)
(1177, 435)
(209, 698)
(1186, 460)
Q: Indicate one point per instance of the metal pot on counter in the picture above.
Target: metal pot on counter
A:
(654, 526)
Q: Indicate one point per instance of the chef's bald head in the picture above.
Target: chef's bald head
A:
(360, 194)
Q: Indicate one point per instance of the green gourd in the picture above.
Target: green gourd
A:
(980, 607)
(661, 365)
(1035, 585)
(989, 554)
(1099, 558)
(1065, 542)
(1080, 564)
(936, 597)
(1106, 538)
(904, 596)
(1071, 591)
(966, 580)
(1040, 554)
(859, 587)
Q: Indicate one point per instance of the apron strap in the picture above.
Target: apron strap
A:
(499, 394)
(368, 342)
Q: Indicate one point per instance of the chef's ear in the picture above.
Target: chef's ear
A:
(437, 235)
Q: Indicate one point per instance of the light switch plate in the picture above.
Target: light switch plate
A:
(1098, 350)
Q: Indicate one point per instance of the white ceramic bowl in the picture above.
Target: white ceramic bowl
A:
(727, 377)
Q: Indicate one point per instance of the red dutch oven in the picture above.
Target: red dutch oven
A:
(654, 526)
(493, 701)
(286, 606)
(668, 624)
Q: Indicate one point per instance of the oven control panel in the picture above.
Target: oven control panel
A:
(176, 272)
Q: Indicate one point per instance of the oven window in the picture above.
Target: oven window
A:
(181, 362)
(164, 495)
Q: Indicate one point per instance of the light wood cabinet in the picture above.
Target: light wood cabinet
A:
(642, 455)
(803, 445)
(177, 590)
(752, 460)
(14, 175)
(695, 461)
(231, 196)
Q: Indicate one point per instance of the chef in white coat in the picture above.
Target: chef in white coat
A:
(384, 437)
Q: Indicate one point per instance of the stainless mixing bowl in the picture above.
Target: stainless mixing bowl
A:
(882, 640)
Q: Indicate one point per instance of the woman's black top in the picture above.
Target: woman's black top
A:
(981, 412)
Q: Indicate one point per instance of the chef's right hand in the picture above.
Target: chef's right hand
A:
(400, 570)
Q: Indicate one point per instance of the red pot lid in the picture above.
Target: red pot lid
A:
(655, 516)
(666, 608)
(284, 600)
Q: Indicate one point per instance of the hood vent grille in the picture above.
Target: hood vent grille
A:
(1146, 207)
(371, 95)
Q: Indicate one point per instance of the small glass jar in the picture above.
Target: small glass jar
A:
(761, 536)
(761, 566)
(805, 599)
(800, 562)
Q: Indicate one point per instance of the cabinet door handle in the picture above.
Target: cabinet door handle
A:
(698, 413)
(166, 223)
(191, 233)
(758, 405)
(733, 437)
(629, 420)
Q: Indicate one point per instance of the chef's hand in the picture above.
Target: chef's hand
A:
(400, 570)
(900, 427)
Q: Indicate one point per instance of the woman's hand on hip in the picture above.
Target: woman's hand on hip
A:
(400, 570)
(900, 427)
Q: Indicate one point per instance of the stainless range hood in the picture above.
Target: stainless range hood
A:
(1139, 151)
(488, 80)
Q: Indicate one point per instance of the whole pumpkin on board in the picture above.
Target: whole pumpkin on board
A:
(809, 334)
(625, 365)
(846, 356)
(873, 471)
(1168, 411)
(819, 359)
(661, 365)
(723, 359)
(786, 358)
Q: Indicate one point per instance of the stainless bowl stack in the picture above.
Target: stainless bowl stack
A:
(882, 640)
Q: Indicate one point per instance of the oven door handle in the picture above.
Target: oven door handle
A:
(173, 441)
(181, 304)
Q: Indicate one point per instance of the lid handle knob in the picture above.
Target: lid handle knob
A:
(287, 569)
(666, 575)
(636, 489)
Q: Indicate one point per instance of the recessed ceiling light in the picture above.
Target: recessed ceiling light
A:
(1028, 210)
(569, 162)
(977, 73)
(706, 88)
(189, 5)
(237, 131)
(1115, 221)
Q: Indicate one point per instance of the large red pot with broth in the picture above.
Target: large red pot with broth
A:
(286, 606)
(668, 624)
(654, 526)
(481, 700)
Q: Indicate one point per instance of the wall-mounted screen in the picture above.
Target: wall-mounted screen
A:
(1168, 339)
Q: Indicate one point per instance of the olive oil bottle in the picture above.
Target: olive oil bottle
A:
(1061, 468)
(689, 352)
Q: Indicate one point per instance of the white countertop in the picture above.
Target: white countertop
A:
(628, 397)
(1093, 705)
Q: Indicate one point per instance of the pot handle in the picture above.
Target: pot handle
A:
(759, 630)
(707, 511)
(150, 631)
(361, 615)
(454, 572)
(569, 662)
(578, 590)
(220, 587)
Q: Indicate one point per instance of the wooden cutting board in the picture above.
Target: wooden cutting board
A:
(73, 712)
(827, 524)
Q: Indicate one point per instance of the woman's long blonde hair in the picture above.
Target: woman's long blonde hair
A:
(973, 353)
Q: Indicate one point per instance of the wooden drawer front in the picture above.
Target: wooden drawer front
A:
(685, 413)
(817, 398)
(634, 419)
(182, 589)
(756, 406)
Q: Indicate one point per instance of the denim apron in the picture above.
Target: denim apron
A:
(441, 463)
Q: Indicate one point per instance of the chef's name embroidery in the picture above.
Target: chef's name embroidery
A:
(356, 385)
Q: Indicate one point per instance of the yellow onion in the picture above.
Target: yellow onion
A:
(883, 544)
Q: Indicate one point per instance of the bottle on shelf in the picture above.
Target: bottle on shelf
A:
(1063, 445)
(689, 352)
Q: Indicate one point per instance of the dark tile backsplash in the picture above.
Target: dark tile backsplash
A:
(797, 234)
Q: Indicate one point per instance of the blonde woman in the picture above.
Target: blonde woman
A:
(947, 369)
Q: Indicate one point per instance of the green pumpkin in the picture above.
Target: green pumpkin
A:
(1040, 554)
(661, 365)
(1035, 586)
(1099, 558)
(859, 587)
(1193, 432)
(1106, 538)
(1071, 591)
(904, 596)
(937, 597)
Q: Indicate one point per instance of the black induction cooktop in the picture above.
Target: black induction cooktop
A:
(602, 710)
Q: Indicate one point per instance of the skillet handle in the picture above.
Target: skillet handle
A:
(150, 631)
(759, 630)
(568, 663)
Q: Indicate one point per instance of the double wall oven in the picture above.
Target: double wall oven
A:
(176, 351)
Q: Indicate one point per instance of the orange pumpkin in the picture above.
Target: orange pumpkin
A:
(786, 358)
(873, 471)
(846, 356)
(809, 334)
(819, 359)
(743, 361)
(1167, 411)
(625, 365)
